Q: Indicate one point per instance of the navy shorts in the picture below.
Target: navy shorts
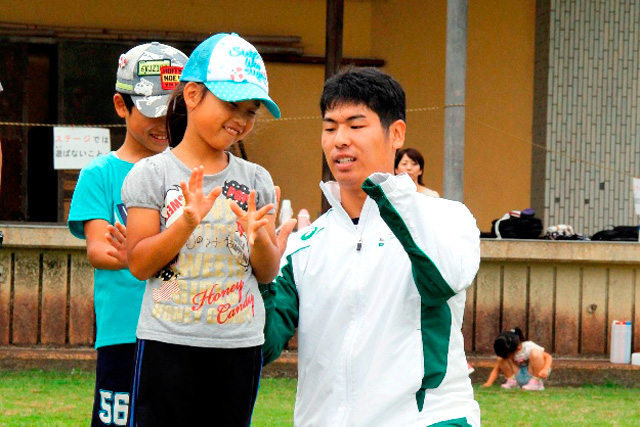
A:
(114, 374)
(179, 385)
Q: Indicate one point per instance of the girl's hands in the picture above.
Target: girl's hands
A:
(117, 237)
(197, 205)
(252, 220)
(544, 373)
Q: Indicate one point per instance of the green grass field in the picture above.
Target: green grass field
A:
(31, 398)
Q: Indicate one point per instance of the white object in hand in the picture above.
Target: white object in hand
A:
(286, 212)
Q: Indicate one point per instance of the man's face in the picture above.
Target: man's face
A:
(356, 145)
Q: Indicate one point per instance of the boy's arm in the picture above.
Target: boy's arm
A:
(451, 261)
(99, 248)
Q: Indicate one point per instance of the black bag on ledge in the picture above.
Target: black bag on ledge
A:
(620, 233)
(517, 225)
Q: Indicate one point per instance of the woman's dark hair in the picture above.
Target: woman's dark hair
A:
(380, 92)
(176, 116)
(414, 155)
(508, 342)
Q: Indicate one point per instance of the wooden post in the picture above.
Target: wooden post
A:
(333, 53)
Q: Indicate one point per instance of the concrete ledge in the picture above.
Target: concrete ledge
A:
(566, 371)
(556, 251)
(47, 359)
(49, 236)
(569, 372)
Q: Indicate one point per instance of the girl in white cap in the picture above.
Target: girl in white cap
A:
(201, 232)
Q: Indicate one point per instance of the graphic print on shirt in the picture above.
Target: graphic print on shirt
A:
(237, 192)
(169, 285)
(173, 205)
(206, 281)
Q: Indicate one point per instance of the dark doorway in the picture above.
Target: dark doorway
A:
(42, 179)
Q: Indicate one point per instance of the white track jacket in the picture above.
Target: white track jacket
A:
(378, 307)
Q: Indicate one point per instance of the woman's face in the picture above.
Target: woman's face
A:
(410, 167)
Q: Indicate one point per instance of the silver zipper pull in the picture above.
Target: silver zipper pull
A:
(359, 246)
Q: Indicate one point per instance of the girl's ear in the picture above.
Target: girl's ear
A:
(192, 93)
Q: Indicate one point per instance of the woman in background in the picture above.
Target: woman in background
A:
(411, 162)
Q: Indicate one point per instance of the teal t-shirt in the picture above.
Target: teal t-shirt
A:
(117, 295)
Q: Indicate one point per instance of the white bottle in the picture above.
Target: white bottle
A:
(286, 212)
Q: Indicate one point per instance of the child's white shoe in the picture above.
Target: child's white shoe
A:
(511, 383)
(534, 384)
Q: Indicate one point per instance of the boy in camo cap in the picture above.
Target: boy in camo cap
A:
(146, 76)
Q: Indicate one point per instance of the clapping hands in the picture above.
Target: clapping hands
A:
(197, 204)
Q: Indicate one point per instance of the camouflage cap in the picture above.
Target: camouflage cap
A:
(149, 72)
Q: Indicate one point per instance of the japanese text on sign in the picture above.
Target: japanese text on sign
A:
(75, 147)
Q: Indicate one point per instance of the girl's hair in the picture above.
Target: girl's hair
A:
(414, 155)
(177, 114)
(508, 342)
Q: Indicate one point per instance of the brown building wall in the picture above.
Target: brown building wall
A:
(410, 35)
(499, 91)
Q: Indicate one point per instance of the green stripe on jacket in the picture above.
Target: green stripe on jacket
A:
(435, 315)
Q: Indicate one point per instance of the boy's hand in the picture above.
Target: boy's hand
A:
(252, 220)
(117, 237)
(285, 229)
(197, 205)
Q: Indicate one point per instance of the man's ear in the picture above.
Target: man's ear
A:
(120, 106)
(397, 132)
(193, 93)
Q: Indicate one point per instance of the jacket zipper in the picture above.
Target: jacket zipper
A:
(357, 324)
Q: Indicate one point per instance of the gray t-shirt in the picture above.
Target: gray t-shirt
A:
(207, 296)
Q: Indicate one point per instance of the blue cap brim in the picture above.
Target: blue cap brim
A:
(243, 91)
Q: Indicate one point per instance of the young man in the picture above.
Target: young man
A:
(376, 285)
(144, 82)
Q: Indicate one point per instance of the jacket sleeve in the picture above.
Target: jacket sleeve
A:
(281, 306)
(443, 244)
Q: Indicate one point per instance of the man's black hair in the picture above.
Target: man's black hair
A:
(369, 86)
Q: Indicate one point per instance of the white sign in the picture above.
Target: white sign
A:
(636, 194)
(75, 147)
